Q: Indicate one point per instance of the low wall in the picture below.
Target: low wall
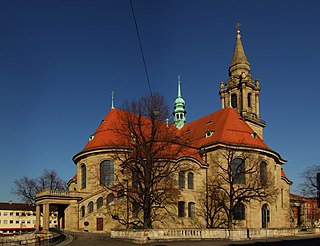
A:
(316, 230)
(143, 236)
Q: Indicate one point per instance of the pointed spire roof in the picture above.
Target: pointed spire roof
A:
(112, 99)
(240, 63)
(179, 108)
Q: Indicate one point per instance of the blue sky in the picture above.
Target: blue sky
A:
(60, 60)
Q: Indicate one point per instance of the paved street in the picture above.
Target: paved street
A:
(82, 239)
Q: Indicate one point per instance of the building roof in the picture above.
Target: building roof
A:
(224, 126)
(239, 62)
(106, 136)
(110, 135)
(16, 206)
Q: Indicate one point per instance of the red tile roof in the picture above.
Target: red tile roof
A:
(226, 126)
(283, 174)
(297, 196)
(110, 134)
(105, 135)
(16, 206)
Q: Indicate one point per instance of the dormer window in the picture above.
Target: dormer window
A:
(254, 135)
(209, 133)
(91, 137)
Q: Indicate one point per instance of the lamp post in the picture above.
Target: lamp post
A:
(318, 186)
(127, 187)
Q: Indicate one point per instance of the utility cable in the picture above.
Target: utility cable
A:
(141, 49)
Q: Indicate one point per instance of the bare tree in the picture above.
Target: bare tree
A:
(309, 186)
(148, 179)
(26, 188)
(236, 178)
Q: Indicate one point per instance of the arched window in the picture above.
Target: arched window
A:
(135, 209)
(265, 212)
(83, 211)
(190, 180)
(90, 207)
(110, 199)
(234, 101)
(249, 100)
(99, 202)
(238, 171)
(135, 179)
(83, 176)
(239, 212)
(181, 180)
(107, 173)
(120, 194)
(191, 209)
(263, 173)
(181, 209)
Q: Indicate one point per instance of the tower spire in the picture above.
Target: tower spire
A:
(179, 86)
(240, 63)
(241, 91)
(112, 99)
(179, 108)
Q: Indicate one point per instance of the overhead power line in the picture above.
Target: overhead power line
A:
(141, 49)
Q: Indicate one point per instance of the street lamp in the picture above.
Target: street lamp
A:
(127, 187)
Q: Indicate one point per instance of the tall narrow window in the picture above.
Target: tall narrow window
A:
(239, 212)
(83, 176)
(181, 180)
(263, 173)
(107, 173)
(281, 198)
(90, 207)
(191, 209)
(135, 179)
(265, 212)
(83, 211)
(110, 198)
(181, 209)
(99, 202)
(135, 209)
(249, 100)
(234, 101)
(238, 171)
(190, 180)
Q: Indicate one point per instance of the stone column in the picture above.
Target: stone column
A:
(257, 105)
(46, 216)
(223, 100)
(38, 211)
(244, 98)
(60, 218)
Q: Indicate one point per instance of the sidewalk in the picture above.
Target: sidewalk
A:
(81, 239)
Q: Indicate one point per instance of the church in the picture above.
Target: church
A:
(224, 176)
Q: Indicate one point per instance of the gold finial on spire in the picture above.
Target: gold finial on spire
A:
(238, 25)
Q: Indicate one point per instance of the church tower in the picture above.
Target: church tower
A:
(241, 91)
(179, 109)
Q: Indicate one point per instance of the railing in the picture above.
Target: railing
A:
(34, 240)
(171, 234)
(59, 193)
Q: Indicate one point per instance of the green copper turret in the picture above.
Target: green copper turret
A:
(179, 108)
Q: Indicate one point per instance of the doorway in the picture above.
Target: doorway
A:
(99, 224)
